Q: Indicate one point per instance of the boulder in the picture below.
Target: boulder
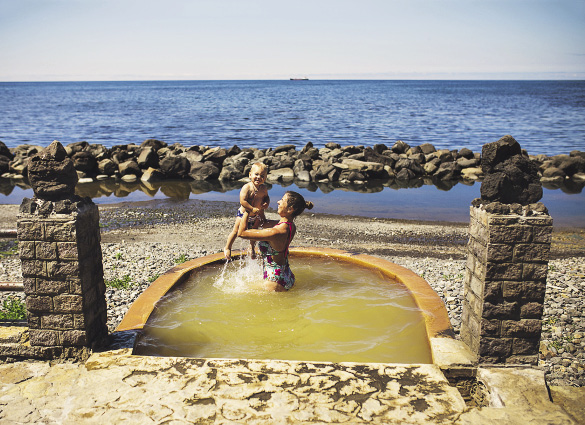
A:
(466, 153)
(204, 171)
(75, 147)
(154, 144)
(216, 155)
(495, 153)
(283, 148)
(4, 151)
(107, 167)
(400, 147)
(405, 174)
(4, 164)
(175, 167)
(147, 158)
(283, 174)
(427, 148)
(52, 174)
(152, 175)
(510, 177)
(84, 161)
(231, 173)
(129, 167)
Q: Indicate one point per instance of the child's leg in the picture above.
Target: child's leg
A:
(227, 251)
(253, 243)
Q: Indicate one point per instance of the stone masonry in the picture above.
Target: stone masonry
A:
(505, 281)
(60, 252)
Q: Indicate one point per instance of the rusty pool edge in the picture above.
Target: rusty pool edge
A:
(437, 321)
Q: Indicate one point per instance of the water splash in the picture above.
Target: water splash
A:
(240, 276)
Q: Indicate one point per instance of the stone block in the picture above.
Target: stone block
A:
(75, 285)
(510, 234)
(500, 311)
(524, 328)
(513, 290)
(500, 252)
(67, 250)
(473, 301)
(503, 271)
(524, 346)
(79, 321)
(541, 220)
(30, 230)
(542, 234)
(490, 328)
(52, 287)
(61, 231)
(531, 252)
(46, 250)
(45, 338)
(33, 319)
(62, 269)
(57, 321)
(30, 285)
(74, 338)
(66, 303)
(523, 359)
(495, 347)
(493, 292)
(503, 220)
(476, 285)
(32, 268)
(531, 310)
(534, 271)
(534, 291)
(26, 250)
(38, 304)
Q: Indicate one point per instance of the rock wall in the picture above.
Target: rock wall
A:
(154, 160)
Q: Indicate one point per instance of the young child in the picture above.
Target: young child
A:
(254, 199)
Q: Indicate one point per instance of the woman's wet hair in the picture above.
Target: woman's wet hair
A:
(297, 202)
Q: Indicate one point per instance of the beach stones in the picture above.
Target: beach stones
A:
(52, 174)
(510, 177)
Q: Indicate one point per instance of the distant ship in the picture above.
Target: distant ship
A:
(300, 79)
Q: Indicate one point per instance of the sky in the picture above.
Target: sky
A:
(103, 40)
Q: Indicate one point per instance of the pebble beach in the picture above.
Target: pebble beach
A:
(143, 240)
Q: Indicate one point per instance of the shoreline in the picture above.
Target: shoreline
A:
(145, 239)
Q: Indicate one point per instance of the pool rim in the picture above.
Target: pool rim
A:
(432, 307)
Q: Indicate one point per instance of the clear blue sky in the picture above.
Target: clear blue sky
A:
(273, 39)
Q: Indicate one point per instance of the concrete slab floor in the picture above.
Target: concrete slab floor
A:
(115, 387)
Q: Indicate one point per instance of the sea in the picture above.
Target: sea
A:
(545, 117)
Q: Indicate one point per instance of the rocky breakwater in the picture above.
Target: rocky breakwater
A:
(155, 160)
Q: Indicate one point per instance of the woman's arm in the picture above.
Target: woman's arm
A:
(258, 234)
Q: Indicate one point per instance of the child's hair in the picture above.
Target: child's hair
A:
(261, 166)
(297, 202)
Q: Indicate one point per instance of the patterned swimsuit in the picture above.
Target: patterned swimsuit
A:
(281, 274)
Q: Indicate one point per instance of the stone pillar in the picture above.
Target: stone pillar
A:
(60, 252)
(505, 282)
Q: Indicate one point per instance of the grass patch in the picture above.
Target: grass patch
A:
(182, 258)
(12, 309)
(8, 248)
(119, 282)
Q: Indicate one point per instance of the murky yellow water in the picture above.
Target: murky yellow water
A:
(336, 312)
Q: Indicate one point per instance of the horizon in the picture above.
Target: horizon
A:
(221, 40)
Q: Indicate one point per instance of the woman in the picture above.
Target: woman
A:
(274, 240)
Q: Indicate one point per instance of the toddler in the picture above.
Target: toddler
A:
(254, 199)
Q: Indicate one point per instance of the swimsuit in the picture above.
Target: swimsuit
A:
(251, 220)
(281, 274)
